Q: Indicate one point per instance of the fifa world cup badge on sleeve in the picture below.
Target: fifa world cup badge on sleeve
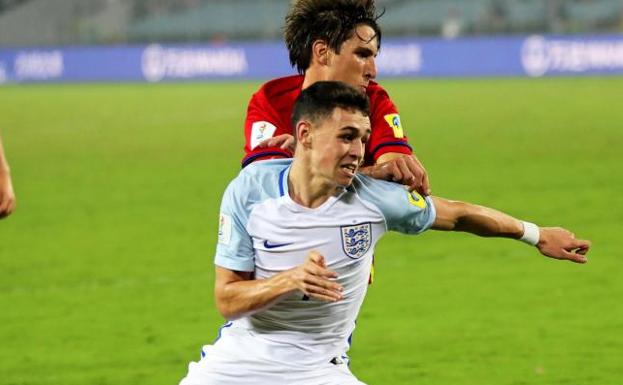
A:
(224, 229)
(261, 131)
(394, 122)
(356, 239)
(416, 199)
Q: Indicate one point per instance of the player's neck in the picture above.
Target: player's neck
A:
(306, 189)
(313, 75)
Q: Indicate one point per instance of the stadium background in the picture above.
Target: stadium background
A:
(105, 267)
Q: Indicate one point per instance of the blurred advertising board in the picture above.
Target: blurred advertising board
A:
(532, 56)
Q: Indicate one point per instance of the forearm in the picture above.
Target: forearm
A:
(381, 170)
(240, 298)
(4, 165)
(475, 219)
(384, 168)
(373, 171)
(553, 242)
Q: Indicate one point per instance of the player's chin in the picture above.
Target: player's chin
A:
(345, 183)
(345, 177)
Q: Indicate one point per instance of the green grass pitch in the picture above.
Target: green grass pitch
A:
(106, 266)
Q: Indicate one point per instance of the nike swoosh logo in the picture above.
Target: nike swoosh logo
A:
(274, 245)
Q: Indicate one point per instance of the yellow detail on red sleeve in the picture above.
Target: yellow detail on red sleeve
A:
(394, 122)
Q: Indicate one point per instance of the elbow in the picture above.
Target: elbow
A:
(450, 214)
(228, 313)
(226, 306)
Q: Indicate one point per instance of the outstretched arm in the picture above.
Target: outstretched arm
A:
(237, 294)
(553, 242)
(7, 196)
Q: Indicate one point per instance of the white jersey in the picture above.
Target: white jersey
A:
(262, 230)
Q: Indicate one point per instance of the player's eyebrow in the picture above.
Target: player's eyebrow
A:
(354, 130)
(367, 41)
(365, 51)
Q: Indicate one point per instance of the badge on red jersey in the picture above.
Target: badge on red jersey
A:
(261, 131)
(394, 122)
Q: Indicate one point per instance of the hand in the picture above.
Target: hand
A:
(315, 280)
(283, 141)
(7, 195)
(559, 243)
(403, 169)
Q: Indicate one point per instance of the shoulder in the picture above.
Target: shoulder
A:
(404, 211)
(258, 181)
(372, 189)
(381, 104)
(279, 87)
(264, 169)
(376, 92)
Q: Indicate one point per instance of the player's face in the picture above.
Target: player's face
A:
(339, 144)
(355, 64)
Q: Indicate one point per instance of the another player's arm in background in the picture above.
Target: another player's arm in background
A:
(238, 295)
(400, 168)
(553, 242)
(7, 195)
(389, 149)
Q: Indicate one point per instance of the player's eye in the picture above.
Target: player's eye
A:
(363, 54)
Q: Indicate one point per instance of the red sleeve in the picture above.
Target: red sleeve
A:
(262, 123)
(387, 132)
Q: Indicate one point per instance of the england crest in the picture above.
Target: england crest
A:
(356, 239)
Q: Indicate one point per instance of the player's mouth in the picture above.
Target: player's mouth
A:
(350, 169)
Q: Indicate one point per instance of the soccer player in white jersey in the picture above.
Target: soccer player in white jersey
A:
(7, 196)
(295, 246)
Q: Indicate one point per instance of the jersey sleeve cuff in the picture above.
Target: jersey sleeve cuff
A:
(235, 264)
(432, 214)
(396, 147)
(267, 153)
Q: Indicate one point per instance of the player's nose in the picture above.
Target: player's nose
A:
(370, 69)
(357, 150)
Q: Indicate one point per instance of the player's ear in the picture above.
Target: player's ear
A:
(320, 52)
(303, 133)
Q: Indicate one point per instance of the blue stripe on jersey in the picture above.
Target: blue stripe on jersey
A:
(220, 330)
(281, 182)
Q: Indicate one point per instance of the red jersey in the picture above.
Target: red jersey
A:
(270, 110)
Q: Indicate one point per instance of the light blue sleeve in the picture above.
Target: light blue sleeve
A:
(234, 250)
(404, 212)
(256, 182)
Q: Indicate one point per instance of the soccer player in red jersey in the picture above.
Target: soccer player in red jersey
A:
(333, 40)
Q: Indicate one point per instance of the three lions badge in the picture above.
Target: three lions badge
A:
(356, 239)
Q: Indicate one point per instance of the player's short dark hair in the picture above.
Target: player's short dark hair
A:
(318, 101)
(334, 21)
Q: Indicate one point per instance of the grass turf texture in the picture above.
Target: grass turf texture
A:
(106, 266)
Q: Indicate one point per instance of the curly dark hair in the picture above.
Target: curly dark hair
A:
(334, 21)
